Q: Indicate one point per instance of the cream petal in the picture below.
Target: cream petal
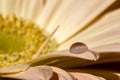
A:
(105, 31)
(90, 55)
(107, 37)
(115, 47)
(7, 7)
(97, 74)
(34, 73)
(47, 12)
(57, 56)
(0, 6)
(101, 78)
(74, 15)
(62, 75)
(118, 74)
(41, 73)
(14, 69)
(24, 7)
(29, 9)
(17, 7)
(85, 76)
(32, 9)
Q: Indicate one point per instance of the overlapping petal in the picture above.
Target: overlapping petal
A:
(73, 16)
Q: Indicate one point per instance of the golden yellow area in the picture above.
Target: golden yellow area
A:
(19, 41)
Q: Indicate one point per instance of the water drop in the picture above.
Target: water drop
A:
(78, 48)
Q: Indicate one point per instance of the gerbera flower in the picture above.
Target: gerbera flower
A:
(38, 37)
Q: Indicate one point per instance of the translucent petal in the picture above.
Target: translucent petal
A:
(41, 73)
(47, 12)
(105, 31)
(7, 7)
(14, 69)
(33, 73)
(73, 15)
(115, 47)
(85, 76)
(62, 75)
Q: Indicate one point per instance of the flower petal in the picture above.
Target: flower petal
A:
(33, 73)
(62, 75)
(95, 73)
(84, 76)
(60, 57)
(47, 12)
(7, 7)
(90, 55)
(73, 15)
(99, 33)
(42, 73)
(14, 69)
(114, 47)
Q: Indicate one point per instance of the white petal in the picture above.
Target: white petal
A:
(41, 73)
(32, 9)
(7, 7)
(62, 75)
(33, 73)
(73, 15)
(24, 6)
(115, 47)
(0, 6)
(118, 74)
(86, 55)
(84, 76)
(47, 12)
(14, 69)
(105, 31)
(18, 7)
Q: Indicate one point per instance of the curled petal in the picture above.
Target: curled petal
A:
(14, 69)
(33, 73)
(90, 55)
(62, 75)
(57, 56)
(77, 50)
(41, 73)
(86, 76)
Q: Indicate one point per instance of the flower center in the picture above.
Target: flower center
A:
(11, 42)
(19, 41)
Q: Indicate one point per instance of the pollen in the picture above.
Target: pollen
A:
(20, 39)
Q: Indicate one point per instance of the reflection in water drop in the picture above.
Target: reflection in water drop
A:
(78, 48)
(81, 48)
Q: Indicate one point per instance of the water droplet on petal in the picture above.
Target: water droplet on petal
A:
(96, 55)
(78, 48)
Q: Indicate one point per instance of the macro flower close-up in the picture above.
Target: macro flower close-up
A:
(59, 40)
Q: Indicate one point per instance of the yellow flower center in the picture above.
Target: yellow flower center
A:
(19, 41)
